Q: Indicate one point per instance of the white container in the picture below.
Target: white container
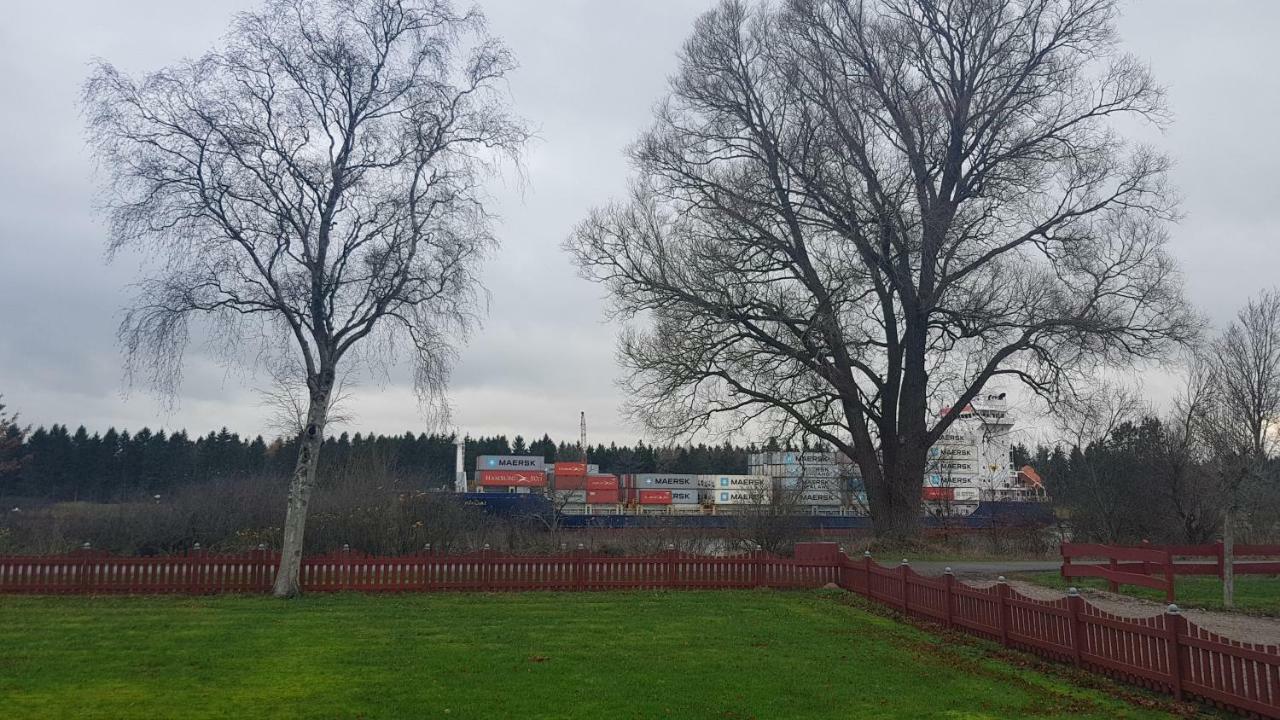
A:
(740, 496)
(686, 496)
(510, 462)
(567, 497)
(740, 482)
(669, 481)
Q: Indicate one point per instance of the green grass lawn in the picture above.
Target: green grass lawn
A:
(537, 655)
(1256, 594)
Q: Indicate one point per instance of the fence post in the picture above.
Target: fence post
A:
(83, 569)
(902, 570)
(199, 571)
(669, 566)
(1066, 559)
(579, 582)
(344, 568)
(949, 580)
(1002, 593)
(1219, 554)
(866, 573)
(1174, 624)
(1113, 565)
(486, 568)
(1074, 603)
(262, 569)
(1169, 577)
(757, 567)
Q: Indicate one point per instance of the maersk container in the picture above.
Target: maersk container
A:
(783, 471)
(815, 497)
(740, 496)
(686, 497)
(669, 481)
(510, 462)
(812, 483)
(739, 482)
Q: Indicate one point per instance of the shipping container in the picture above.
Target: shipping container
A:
(602, 497)
(739, 482)
(567, 497)
(586, 482)
(740, 496)
(669, 481)
(654, 497)
(814, 497)
(828, 471)
(686, 497)
(511, 478)
(510, 462)
(570, 469)
(602, 482)
(938, 494)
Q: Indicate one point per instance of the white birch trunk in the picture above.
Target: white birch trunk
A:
(288, 582)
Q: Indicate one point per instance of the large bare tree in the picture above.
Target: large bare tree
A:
(851, 215)
(314, 188)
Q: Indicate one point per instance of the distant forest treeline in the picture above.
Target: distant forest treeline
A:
(60, 464)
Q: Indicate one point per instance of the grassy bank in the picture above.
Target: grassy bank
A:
(537, 655)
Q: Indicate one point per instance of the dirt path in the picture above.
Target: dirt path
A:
(1245, 628)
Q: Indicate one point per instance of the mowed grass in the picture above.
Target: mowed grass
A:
(537, 655)
(1255, 594)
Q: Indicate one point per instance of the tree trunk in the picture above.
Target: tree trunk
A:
(1228, 557)
(894, 497)
(287, 583)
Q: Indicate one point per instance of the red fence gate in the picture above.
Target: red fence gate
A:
(1156, 566)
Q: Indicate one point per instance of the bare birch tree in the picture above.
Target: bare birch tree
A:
(1241, 421)
(314, 189)
(850, 215)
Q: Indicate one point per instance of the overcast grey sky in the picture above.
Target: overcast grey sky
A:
(590, 73)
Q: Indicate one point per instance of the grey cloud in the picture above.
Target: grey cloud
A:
(590, 74)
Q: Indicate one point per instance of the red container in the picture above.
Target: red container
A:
(654, 497)
(602, 497)
(602, 482)
(571, 469)
(571, 482)
(508, 478)
(938, 493)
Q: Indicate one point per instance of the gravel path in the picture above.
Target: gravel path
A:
(1245, 628)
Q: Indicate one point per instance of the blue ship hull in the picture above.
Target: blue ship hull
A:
(988, 515)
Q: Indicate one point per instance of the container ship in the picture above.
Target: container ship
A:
(971, 483)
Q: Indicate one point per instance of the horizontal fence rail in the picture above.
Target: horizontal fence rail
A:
(1164, 653)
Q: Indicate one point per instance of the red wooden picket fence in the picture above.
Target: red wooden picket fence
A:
(1156, 566)
(94, 572)
(1165, 653)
